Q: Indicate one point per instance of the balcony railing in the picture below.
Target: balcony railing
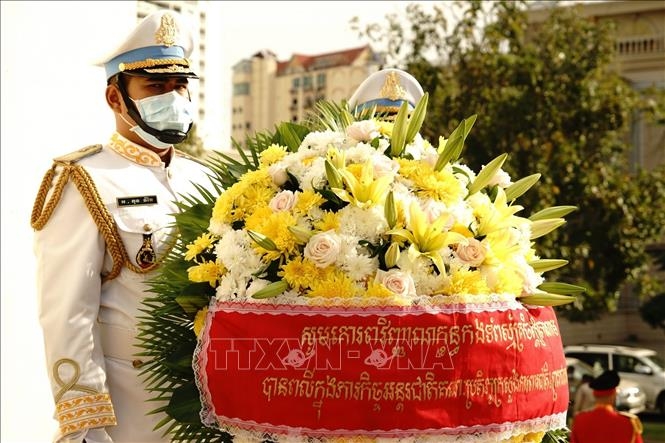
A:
(637, 45)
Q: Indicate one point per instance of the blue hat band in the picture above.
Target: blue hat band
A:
(383, 103)
(137, 55)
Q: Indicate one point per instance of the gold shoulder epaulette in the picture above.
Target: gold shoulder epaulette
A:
(77, 155)
(634, 420)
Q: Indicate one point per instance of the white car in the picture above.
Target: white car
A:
(640, 365)
(630, 397)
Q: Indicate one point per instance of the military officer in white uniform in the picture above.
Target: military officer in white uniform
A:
(102, 223)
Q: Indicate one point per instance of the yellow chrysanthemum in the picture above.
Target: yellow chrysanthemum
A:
(301, 273)
(508, 281)
(253, 190)
(466, 282)
(428, 183)
(272, 154)
(330, 221)
(275, 226)
(307, 200)
(385, 127)
(377, 290)
(202, 243)
(208, 271)
(336, 284)
(199, 321)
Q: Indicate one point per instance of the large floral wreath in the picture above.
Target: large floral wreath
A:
(343, 209)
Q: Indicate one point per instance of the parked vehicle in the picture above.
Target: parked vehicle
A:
(630, 397)
(640, 365)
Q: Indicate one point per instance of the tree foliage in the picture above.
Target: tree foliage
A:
(546, 95)
(192, 144)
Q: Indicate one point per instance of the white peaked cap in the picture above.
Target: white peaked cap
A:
(386, 90)
(159, 45)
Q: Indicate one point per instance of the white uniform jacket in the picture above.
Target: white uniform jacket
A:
(89, 327)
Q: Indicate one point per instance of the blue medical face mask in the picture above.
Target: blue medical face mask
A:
(169, 111)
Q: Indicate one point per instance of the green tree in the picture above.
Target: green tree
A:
(192, 144)
(548, 97)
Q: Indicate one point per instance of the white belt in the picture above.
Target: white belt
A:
(118, 342)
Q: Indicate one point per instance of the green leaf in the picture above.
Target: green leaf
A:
(455, 143)
(291, 135)
(546, 299)
(192, 303)
(398, 137)
(561, 288)
(553, 212)
(545, 265)
(521, 186)
(487, 174)
(417, 118)
(185, 404)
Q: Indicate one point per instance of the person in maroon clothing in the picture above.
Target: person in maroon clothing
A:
(604, 424)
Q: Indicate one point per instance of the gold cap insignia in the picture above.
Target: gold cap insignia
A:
(392, 88)
(167, 31)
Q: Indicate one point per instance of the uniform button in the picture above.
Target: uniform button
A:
(137, 363)
(147, 228)
(168, 173)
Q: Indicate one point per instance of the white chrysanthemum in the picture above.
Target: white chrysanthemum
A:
(359, 153)
(314, 175)
(530, 277)
(231, 287)
(364, 223)
(501, 178)
(218, 228)
(353, 262)
(237, 256)
(320, 141)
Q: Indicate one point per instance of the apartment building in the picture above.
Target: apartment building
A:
(267, 91)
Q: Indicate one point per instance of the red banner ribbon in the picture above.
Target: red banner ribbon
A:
(381, 371)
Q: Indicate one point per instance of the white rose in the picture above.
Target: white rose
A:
(364, 130)
(384, 166)
(501, 178)
(396, 281)
(283, 201)
(472, 252)
(277, 172)
(323, 248)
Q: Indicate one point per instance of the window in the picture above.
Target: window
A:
(624, 363)
(321, 79)
(295, 83)
(596, 360)
(307, 82)
(241, 89)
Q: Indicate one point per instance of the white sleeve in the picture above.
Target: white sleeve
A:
(69, 254)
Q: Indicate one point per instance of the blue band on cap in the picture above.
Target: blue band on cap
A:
(382, 103)
(136, 55)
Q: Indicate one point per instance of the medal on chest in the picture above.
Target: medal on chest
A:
(146, 256)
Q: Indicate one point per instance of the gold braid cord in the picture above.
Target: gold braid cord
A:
(100, 214)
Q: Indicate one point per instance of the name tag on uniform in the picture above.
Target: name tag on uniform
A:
(137, 201)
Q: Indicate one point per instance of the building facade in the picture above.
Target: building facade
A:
(640, 59)
(267, 91)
